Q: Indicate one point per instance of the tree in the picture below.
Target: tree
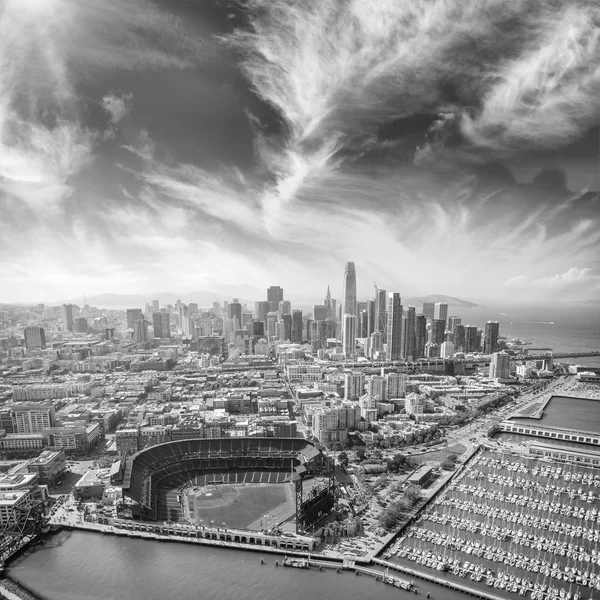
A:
(343, 459)
(360, 454)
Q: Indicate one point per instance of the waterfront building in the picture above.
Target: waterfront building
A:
(354, 385)
(35, 338)
(68, 316)
(428, 310)
(133, 315)
(49, 466)
(349, 334)
(350, 301)
(394, 327)
(490, 341)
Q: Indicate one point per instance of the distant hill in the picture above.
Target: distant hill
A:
(449, 300)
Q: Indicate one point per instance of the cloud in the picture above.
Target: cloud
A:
(571, 282)
(117, 106)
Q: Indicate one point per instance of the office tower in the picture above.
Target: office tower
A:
(35, 337)
(349, 334)
(452, 323)
(362, 324)
(272, 318)
(68, 316)
(235, 312)
(394, 327)
(447, 350)
(287, 322)
(261, 308)
(258, 329)
(80, 325)
(440, 312)
(161, 321)
(436, 334)
(216, 308)
(459, 338)
(490, 341)
(140, 331)
(320, 312)
(432, 350)
(328, 304)
(334, 310)
(420, 335)
(381, 312)
(246, 320)
(133, 314)
(308, 329)
(296, 333)
(354, 385)
(280, 329)
(32, 418)
(155, 306)
(274, 297)
(206, 324)
(375, 344)
(500, 366)
(192, 309)
(370, 316)
(349, 300)
(428, 310)
(285, 307)
(470, 338)
(408, 334)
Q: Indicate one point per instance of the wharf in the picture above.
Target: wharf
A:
(484, 595)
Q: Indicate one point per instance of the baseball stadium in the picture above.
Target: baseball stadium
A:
(251, 483)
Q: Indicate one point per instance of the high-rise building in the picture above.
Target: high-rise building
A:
(80, 325)
(408, 334)
(354, 385)
(68, 311)
(490, 341)
(453, 321)
(428, 310)
(140, 331)
(436, 334)
(447, 350)
(394, 327)
(274, 297)
(440, 312)
(32, 418)
(272, 318)
(285, 307)
(471, 344)
(161, 321)
(287, 324)
(261, 308)
(133, 315)
(296, 326)
(329, 304)
(235, 312)
(459, 338)
(376, 386)
(420, 335)
(370, 316)
(350, 307)
(362, 324)
(320, 312)
(375, 344)
(216, 309)
(381, 312)
(395, 385)
(349, 334)
(500, 366)
(155, 306)
(35, 337)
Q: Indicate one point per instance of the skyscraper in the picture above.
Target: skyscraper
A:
(68, 316)
(500, 366)
(133, 315)
(438, 328)
(161, 321)
(408, 334)
(320, 312)
(349, 334)
(420, 335)
(287, 324)
(296, 326)
(459, 338)
(470, 338)
(140, 331)
(370, 316)
(490, 341)
(440, 312)
(235, 312)
(272, 317)
(349, 307)
(428, 310)
(80, 325)
(35, 337)
(453, 321)
(261, 309)
(274, 297)
(394, 327)
(381, 312)
(285, 307)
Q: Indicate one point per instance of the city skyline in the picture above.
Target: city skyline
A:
(208, 135)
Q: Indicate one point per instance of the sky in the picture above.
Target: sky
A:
(443, 146)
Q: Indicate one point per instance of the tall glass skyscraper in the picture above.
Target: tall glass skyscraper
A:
(394, 327)
(349, 307)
